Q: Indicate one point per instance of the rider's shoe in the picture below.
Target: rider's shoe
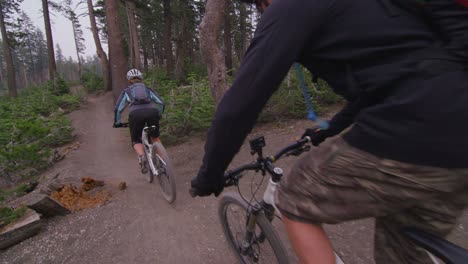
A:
(143, 164)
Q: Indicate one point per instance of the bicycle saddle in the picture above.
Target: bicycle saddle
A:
(443, 249)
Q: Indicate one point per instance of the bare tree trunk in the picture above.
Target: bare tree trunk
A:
(25, 77)
(12, 91)
(117, 60)
(77, 51)
(145, 59)
(100, 51)
(210, 32)
(168, 37)
(243, 32)
(228, 38)
(153, 55)
(50, 41)
(1, 73)
(161, 55)
(132, 28)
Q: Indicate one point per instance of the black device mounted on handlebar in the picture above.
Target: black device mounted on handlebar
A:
(257, 145)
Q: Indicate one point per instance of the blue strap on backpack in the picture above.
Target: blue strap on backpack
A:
(311, 114)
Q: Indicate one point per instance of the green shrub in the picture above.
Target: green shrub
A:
(190, 106)
(58, 86)
(92, 82)
(32, 124)
(8, 215)
(189, 109)
(288, 101)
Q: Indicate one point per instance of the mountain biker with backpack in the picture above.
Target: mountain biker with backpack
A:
(142, 112)
(405, 159)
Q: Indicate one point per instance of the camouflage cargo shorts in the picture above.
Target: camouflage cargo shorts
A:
(337, 182)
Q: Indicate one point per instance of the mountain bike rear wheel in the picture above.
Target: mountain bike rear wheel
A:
(165, 176)
(149, 175)
(264, 246)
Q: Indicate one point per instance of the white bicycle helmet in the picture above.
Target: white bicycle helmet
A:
(134, 73)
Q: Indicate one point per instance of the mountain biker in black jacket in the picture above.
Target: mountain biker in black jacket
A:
(406, 156)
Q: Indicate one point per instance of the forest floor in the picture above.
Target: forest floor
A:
(137, 226)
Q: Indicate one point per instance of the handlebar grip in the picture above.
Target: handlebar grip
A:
(120, 125)
(193, 192)
(228, 180)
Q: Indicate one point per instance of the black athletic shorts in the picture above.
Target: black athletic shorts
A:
(138, 119)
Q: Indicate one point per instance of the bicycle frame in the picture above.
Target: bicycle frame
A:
(267, 206)
(148, 147)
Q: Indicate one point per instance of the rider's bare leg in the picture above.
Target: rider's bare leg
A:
(310, 242)
(156, 139)
(141, 157)
(138, 147)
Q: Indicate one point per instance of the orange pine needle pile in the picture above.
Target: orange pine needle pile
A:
(76, 199)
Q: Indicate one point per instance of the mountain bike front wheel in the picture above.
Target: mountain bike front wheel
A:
(165, 175)
(263, 245)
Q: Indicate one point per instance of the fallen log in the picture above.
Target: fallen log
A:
(27, 226)
(46, 206)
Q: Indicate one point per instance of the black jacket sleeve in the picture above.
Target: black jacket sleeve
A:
(282, 33)
(348, 114)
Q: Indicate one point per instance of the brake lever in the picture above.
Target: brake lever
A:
(232, 180)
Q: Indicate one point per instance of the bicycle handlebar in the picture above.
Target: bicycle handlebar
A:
(291, 148)
(231, 177)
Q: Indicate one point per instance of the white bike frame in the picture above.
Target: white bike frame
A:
(269, 197)
(148, 147)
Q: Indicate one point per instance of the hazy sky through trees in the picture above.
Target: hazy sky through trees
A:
(62, 27)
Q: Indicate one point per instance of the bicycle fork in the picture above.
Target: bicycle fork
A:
(249, 238)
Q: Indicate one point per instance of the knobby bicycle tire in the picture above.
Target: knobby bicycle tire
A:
(270, 235)
(149, 175)
(165, 173)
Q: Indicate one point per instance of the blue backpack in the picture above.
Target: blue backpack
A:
(139, 94)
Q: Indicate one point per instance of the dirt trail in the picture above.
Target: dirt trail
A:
(137, 225)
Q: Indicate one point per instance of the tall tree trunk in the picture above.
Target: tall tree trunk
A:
(168, 37)
(25, 77)
(133, 32)
(153, 55)
(210, 32)
(161, 55)
(190, 46)
(228, 38)
(145, 59)
(12, 91)
(117, 60)
(50, 41)
(243, 31)
(77, 51)
(100, 51)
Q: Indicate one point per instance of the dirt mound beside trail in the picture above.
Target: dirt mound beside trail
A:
(76, 199)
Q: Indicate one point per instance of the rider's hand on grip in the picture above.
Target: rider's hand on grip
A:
(199, 188)
(316, 134)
